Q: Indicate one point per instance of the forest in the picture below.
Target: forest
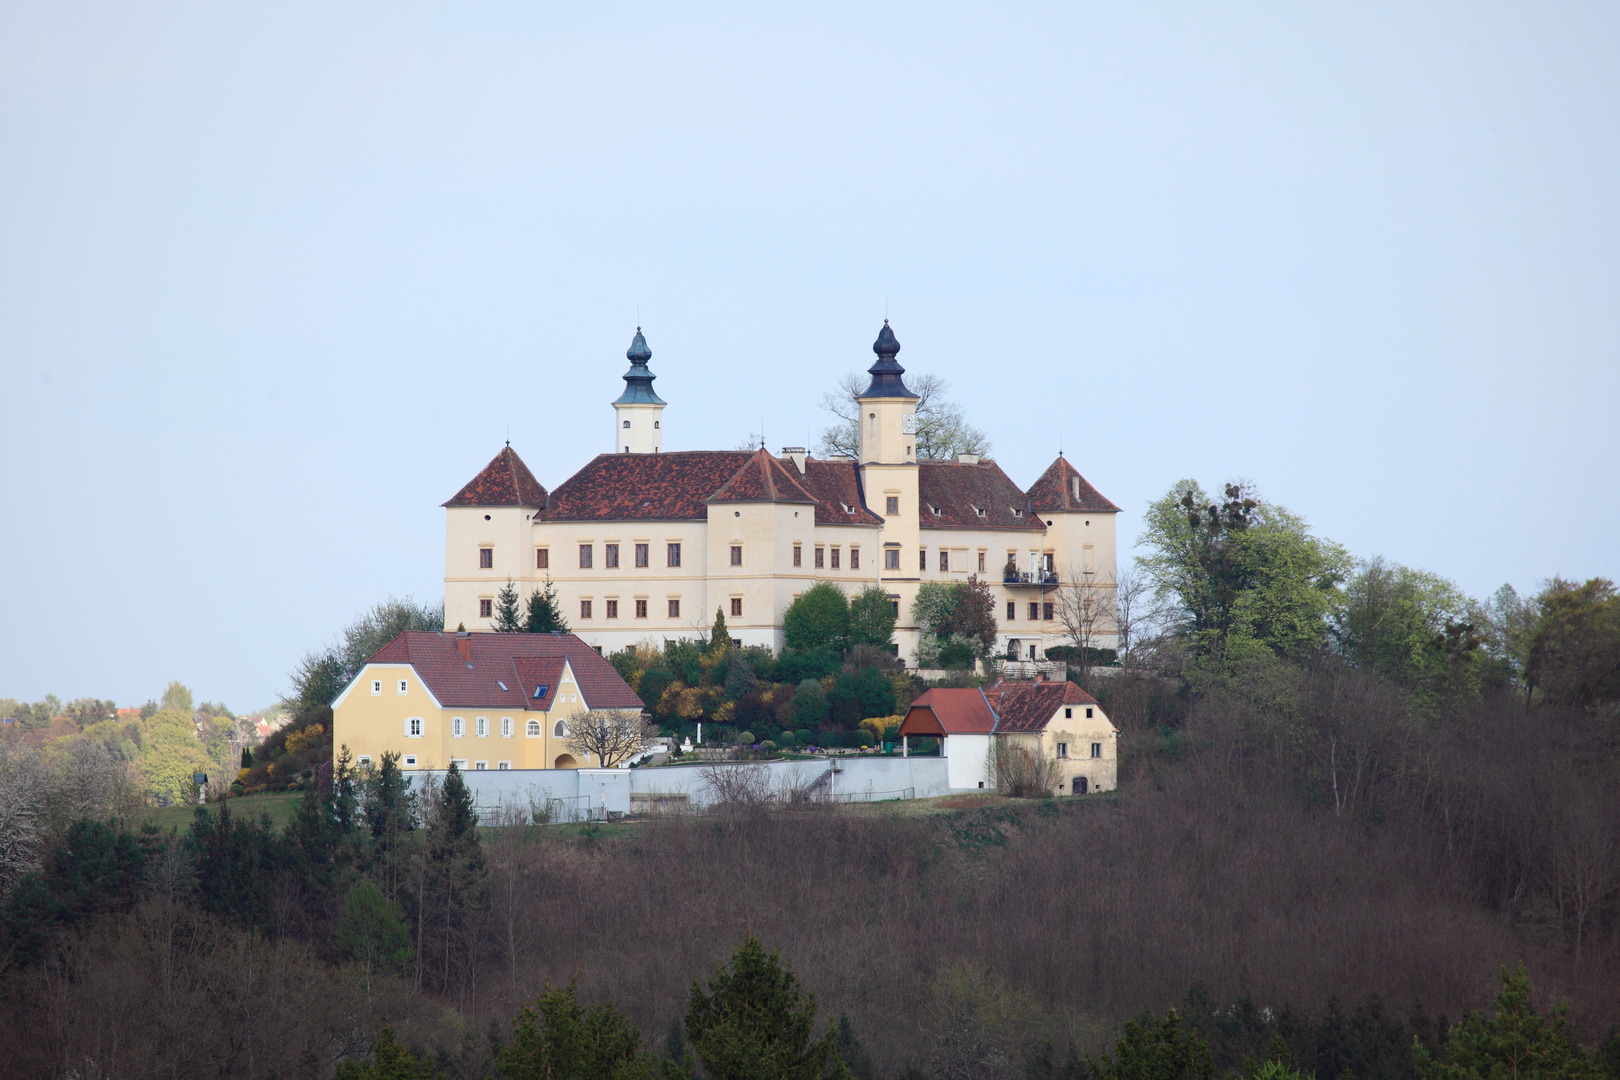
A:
(1367, 826)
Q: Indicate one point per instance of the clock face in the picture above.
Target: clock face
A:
(908, 424)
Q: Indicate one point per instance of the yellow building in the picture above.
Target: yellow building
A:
(1057, 721)
(648, 543)
(483, 701)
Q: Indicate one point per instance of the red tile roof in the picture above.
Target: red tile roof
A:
(1028, 707)
(762, 478)
(1056, 491)
(958, 492)
(519, 661)
(505, 481)
(645, 487)
(952, 710)
(836, 486)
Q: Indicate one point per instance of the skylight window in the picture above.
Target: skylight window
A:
(541, 691)
(500, 684)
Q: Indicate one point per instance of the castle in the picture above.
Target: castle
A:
(647, 543)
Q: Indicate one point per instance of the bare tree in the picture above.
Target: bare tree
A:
(23, 788)
(609, 736)
(1021, 770)
(1087, 608)
(942, 429)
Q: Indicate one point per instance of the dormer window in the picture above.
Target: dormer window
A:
(979, 510)
(933, 510)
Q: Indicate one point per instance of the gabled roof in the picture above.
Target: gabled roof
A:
(1029, 707)
(504, 669)
(762, 478)
(954, 710)
(539, 676)
(1057, 491)
(645, 487)
(958, 492)
(505, 481)
(836, 487)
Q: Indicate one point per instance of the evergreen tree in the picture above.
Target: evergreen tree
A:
(1150, 1049)
(237, 860)
(558, 1039)
(371, 931)
(508, 615)
(1517, 1043)
(452, 879)
(247, 758)
(390, 815)
(388, 1061)
(545, 615)
(754, 1023)
(719, 635)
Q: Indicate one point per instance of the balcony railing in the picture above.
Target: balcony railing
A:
(1040, 577)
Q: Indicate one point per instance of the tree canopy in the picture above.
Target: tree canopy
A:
(819, 617)
(942, 428)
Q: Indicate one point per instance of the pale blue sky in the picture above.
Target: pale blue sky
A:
(275, 282)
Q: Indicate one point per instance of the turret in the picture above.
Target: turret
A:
(638, 413)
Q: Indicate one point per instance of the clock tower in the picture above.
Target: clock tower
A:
(888, 466)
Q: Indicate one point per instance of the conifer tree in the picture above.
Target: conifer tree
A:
(558, 1039)
(544, 614)
(754, 1023)
(1517, 1043)
(508, 614)
(719, 635)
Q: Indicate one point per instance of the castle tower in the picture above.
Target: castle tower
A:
(638, 413)
(888, 459)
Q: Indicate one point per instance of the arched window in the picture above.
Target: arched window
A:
(627, 423)
(560, 729)
(534, 727)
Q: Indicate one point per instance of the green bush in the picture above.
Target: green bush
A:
(865, 737)
(802, 736)
(785, 739)
(767, 746)
(745, 738)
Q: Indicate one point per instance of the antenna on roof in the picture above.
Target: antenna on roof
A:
(509, 433)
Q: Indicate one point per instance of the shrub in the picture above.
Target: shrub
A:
(785, 739)
(745, 738)
(802, 735)
(767, 745)
(810, 703)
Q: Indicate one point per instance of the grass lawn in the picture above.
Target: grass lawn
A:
(279, 805)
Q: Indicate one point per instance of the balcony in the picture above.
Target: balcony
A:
(1039, 578)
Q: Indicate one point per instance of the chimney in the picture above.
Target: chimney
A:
(796, 454)
(967, 459)
(464, 646)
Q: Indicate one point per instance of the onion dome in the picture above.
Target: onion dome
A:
(638, 380)
(886, 373)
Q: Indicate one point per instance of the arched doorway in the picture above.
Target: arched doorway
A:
(565, 761)
(1080, 785)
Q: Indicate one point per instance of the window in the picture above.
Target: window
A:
(894, 606)
(674, 555)
(610, 556)
(404, 687)
(981, 562)
(641, 555)
(506, 727)
(486, 608)
(480, 766)
(1012, 610)
(364, 760)
(376, 687)
(584, 609)
(1096, 749)
(413, 728)
(532, 728)
(835, 558)
(821, 557)
(655, 425)
(612, 609)
(944, 561)
(641, 609)
(674, 609)
(410, 761)
(482, 726)
(1034, 611)
(460, 763)
(798, 555)
(542, 558)
(736, 554)
(1088, 712)
(584, 556)
(1046, 612)
(1063, 750)
(922, 559)
(736, 605)
(560, 729)
(627, 423)
(503, 765)
(458, 727)
(486, 558)
(1068, 712)
(893, 504)
(979, 510)
(854, 558)
(891, 558)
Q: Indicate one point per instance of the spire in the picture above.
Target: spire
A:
(638, 380)
(886, 373)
